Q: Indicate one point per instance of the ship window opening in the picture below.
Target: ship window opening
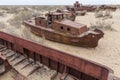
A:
(40, 22)
(30, 21)
(68, 29)
(61, 27)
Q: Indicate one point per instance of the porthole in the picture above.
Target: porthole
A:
(68, 29)
(40, 22)
(61, 27)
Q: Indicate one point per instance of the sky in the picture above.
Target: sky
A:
(56, 2)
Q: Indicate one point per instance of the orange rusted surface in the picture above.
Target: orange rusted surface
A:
(58, 29)
(61, 61)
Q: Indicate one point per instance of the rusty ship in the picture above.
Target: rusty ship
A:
(56, 27)
(107, 7)
(79, 7)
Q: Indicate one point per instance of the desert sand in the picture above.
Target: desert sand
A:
(106, 53)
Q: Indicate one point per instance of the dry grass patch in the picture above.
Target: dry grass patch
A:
(18, 19)
(103, 14)
(102, 24)
(2, 25)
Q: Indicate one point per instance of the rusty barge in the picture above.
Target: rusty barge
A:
(55, 28)
(64, 63)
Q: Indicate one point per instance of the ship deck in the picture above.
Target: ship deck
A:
(24, 69)
(31, 23)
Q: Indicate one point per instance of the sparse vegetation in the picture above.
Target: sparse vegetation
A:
(102, 24)
(99, 14)
(46, 8)
(2, 25)
(1, 14)
(17, 9)
(26, 12)
(19, 18)
(103, 14)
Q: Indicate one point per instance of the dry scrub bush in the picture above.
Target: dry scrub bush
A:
(7, 29)
(99, 14)
(18, 19)
(9, 9)
(102, 24)
(22, 16)
(17, 22)
(103, 14)
(4, 8)
(2, 25)
(1, 14)
(46, 8)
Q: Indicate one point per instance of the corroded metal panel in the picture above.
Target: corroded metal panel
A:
(69, 35)
(62, 59)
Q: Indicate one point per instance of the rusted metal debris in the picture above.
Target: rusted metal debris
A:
(58, 29)
(62, 62)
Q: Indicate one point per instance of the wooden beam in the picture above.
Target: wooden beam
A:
(19, 62)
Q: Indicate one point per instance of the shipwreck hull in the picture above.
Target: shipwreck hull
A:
(89, 40)
(65, 63)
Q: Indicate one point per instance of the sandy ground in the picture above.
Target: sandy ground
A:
(6, 76)
(107, 52)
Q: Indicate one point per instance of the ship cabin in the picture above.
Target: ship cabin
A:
(57, 22)
(49, 19)
(69, 27)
